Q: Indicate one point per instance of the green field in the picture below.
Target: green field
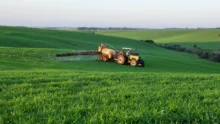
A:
(208, 39)
(35, 86)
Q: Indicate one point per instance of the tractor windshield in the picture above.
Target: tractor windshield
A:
(130, 51)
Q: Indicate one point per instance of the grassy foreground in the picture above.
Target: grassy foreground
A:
(53, 96)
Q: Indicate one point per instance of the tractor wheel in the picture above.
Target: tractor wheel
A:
(100, 58)
(141, 63)
(121, 59)
(133, 62)
(105, 59)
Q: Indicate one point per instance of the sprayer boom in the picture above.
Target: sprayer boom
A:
(78, 53)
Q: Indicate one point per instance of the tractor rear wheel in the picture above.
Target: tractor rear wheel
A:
(133, 62)
(121, 59)
(105, 59)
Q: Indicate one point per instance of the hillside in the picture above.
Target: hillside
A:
(37, 87)
(39, 46)
(209, 39)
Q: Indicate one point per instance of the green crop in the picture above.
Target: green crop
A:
(52, 96)
(37, 87)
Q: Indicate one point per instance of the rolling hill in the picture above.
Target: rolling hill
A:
(27, 44)
(209, 39)
(37, 87)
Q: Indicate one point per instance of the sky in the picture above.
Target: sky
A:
(111, 13)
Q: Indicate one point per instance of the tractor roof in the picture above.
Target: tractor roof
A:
(125, 48)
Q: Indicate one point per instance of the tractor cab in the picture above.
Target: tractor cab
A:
(130, 51)
(133, 57)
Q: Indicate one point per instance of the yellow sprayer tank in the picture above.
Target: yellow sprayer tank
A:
(108, 52)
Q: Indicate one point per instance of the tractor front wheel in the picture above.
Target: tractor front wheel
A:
(121, 59)
(141, 63)
(133, 62)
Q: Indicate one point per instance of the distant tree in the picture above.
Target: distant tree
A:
(195, 46)
(149, 41)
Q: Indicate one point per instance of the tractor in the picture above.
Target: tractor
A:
(108, 53)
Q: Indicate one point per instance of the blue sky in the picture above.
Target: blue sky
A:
(114, 13)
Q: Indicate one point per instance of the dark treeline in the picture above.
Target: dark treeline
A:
(110, 28)
(211, 55)
(129, 28)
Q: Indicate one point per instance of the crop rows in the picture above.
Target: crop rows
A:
(96, 97)
(29, 53)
